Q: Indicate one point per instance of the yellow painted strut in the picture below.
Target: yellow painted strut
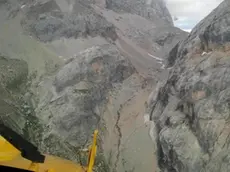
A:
(92, 152)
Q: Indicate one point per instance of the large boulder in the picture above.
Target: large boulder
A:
(75, 100)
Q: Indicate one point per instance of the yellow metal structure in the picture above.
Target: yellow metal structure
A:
(7, 151)
(11, 157)
(92, 152)
(34, 167)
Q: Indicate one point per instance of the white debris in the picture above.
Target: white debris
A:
(204, 53)
(61, 57)
(84, 150)
(157, 58)
(23, 6)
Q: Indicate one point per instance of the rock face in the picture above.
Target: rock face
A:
(13, 74)
(149, 9)
(80, 90)
(47, 22)
(81, 65)
(191, 109)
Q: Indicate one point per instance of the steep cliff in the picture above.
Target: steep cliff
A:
(190, 109)
(81, 65)
(154, 10)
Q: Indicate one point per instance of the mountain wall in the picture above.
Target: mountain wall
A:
(73, 66)
(190, 109)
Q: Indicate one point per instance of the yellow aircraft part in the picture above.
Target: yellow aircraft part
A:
(11, 157)
(51, 164)
(7, 151)
(92, 152)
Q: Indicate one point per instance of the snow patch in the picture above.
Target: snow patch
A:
(157, 58)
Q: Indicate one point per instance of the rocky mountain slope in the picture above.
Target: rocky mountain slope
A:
(191, 109)
(71, 66)
(154, 10)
